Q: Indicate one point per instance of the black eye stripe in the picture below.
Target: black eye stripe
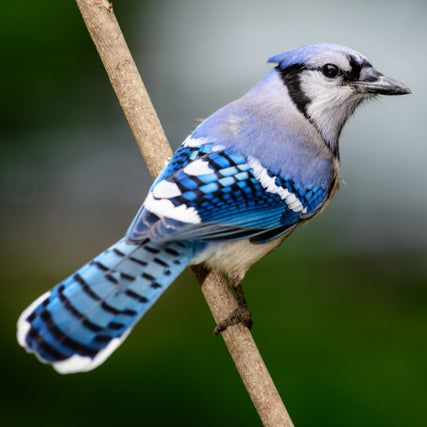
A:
(355, 69)
(348, 76)
(291, 77)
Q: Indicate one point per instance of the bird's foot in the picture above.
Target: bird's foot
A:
(239, 315)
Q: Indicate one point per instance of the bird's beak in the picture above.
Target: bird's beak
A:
(373, 82)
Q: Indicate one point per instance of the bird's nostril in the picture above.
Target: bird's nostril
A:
(369, 74)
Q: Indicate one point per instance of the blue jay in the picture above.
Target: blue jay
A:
(247, 177)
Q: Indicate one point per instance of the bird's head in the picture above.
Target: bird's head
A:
(327, 82)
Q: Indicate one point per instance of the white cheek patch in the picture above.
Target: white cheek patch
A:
(198, 167)
(323, 92)
(331, 103)
(166, 209)
(269, 184)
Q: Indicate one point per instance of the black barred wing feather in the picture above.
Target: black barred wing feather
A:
(215, 194)
(80, 322)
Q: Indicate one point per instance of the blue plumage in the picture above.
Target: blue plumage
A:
(238, 185)
(88, 314)
(306, 54)
(230, 200)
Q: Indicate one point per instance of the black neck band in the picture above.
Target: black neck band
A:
(291, 78)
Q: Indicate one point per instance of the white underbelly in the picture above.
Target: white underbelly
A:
(235, 258)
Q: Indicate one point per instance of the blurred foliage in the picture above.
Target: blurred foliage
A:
(40, 40)
(343, 337)
(49, 65)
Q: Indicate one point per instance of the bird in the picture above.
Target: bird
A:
(240, 183)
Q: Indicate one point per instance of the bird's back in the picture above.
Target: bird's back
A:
(265, 124)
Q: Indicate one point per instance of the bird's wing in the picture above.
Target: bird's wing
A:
(212, 193)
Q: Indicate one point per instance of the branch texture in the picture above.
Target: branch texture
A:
(105, 32)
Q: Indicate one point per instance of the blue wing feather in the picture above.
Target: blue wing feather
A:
(228, 198)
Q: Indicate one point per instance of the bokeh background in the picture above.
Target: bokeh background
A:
(340, 310)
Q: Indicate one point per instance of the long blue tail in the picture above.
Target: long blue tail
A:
(80, 322)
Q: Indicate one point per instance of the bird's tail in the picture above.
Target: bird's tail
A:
(80, 322)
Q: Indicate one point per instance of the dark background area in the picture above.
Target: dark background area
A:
(340, 310)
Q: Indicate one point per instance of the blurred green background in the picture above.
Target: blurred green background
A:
(340, 310)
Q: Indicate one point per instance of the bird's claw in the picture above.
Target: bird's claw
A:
(238, 316)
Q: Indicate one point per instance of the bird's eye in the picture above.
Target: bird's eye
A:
(330, 70)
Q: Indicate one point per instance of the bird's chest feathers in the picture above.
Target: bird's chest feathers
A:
(236, 257)
(287, 149)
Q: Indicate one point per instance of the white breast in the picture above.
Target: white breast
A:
(235, 258)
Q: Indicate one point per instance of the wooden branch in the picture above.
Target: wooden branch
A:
(111, 45)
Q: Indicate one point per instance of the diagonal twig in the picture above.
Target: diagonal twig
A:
(105, 32)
